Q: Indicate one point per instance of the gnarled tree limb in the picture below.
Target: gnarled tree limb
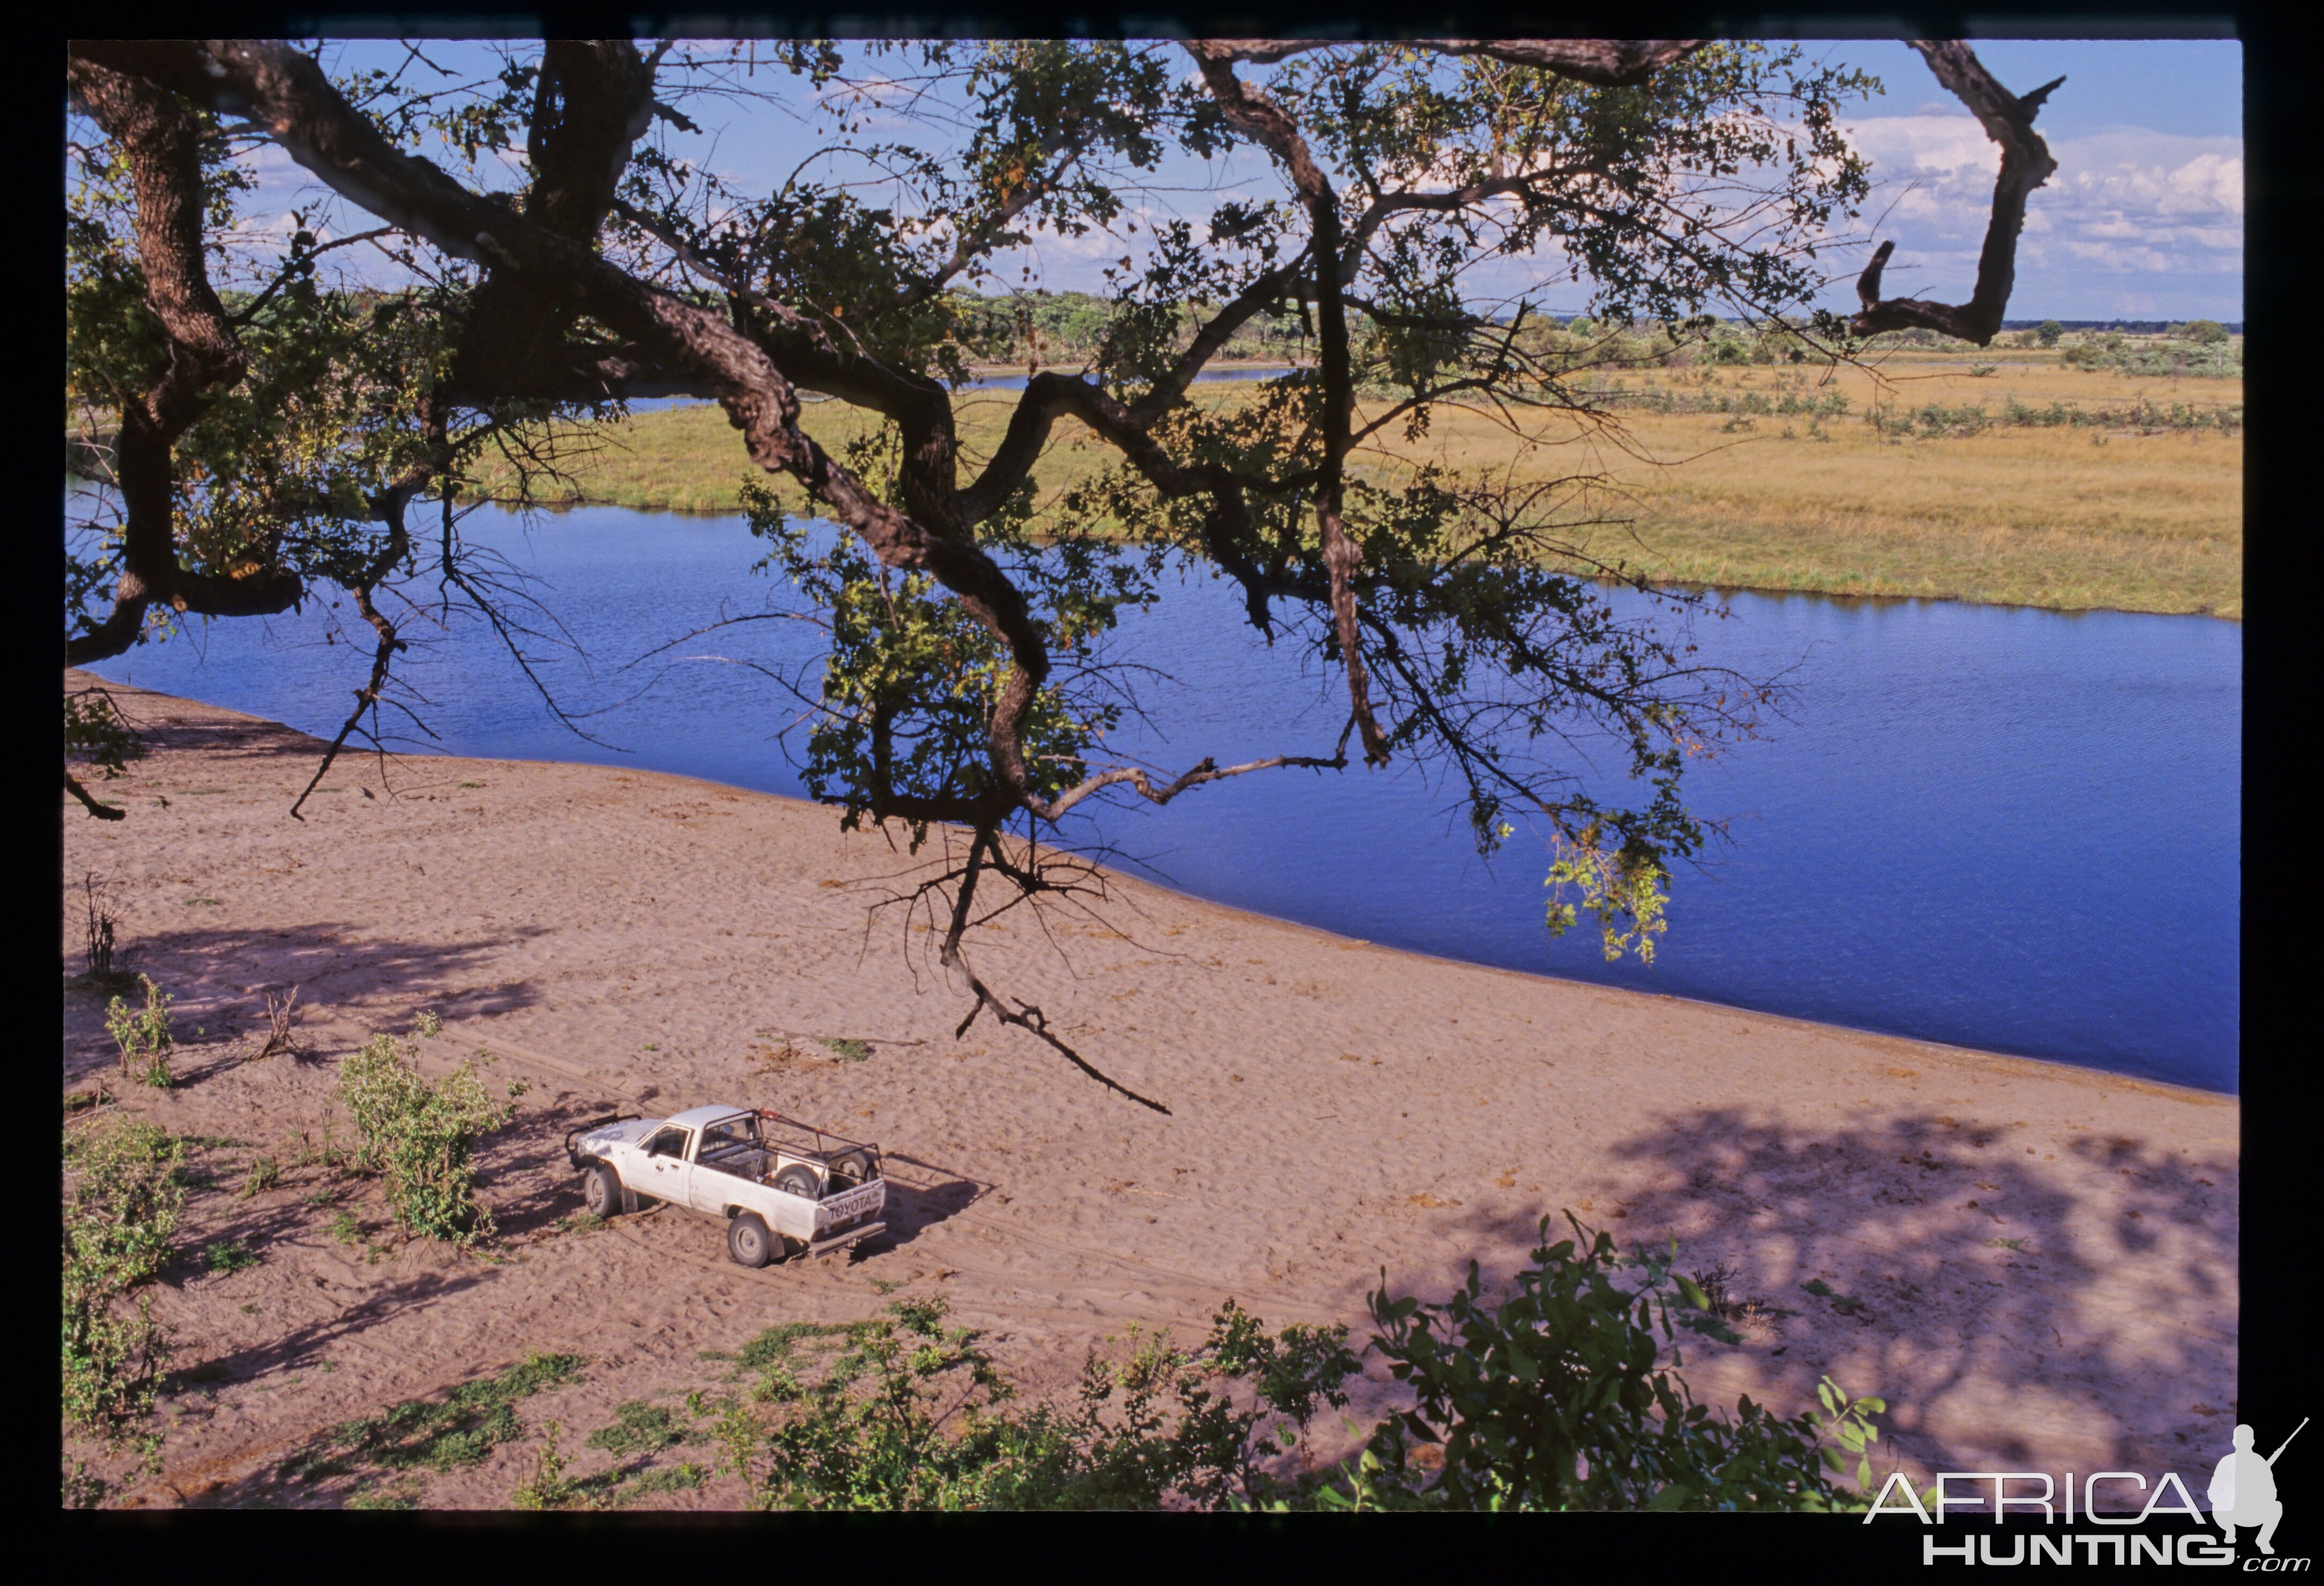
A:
(163, 145)
(1251, 112)
(2025, 164)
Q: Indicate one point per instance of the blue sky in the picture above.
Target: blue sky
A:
(2142, 220)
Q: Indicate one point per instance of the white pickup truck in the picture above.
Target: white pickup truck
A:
(779, 1192)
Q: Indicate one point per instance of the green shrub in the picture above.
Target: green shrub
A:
(120, 1211)
(420, 1139)
(548, 1487)
(1557, 1399)
(905, 1412)
(143, 1035)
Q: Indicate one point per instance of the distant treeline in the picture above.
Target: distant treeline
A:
(1070, 327)
(2127, 326)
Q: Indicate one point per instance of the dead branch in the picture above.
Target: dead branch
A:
(2025, 164)
(281, 1010)
(983, 849)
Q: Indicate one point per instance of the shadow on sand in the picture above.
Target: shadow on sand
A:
(1999, 1300)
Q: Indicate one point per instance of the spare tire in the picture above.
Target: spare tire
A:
(799, 1179)
(749, 1241)
(853, 1168)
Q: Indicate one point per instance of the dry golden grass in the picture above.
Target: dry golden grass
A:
(2073, 518)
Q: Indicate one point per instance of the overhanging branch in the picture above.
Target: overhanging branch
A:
(2025, 164)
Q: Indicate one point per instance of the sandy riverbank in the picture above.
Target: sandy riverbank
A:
(2042, 1258)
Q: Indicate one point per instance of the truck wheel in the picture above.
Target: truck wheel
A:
(851, 1170)
(799, 1179)
(749, 1241)
(601, 1190)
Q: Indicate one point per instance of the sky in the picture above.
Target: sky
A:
(2143, 220)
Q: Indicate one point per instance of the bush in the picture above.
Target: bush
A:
(1556, 1399)
(905, 1412)
(120, 1214)
(143, 1035)
(420, 1140)
(2047, 332)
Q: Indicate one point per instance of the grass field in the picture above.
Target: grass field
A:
(2104, 491)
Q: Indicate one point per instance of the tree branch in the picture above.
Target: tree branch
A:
(1025, 1016)
(2025, 164)
(162, 144)
(1249, 111)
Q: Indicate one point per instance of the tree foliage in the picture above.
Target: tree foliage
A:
(275, 440)
(1559, 1397)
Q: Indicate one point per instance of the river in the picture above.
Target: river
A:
(2002, 828)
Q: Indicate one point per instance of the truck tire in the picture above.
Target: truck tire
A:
(749, 1241)
(601, 1190)
(851, 1170)
(799, 1179)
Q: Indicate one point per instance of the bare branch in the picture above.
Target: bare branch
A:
(1025, 1016)
(104, 812)
(2025, 164)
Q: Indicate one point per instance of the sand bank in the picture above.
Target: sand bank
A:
(2034, 1263)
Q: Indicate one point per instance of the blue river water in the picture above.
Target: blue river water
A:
(2002, 828)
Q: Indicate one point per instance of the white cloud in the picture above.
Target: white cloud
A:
(2124, 202)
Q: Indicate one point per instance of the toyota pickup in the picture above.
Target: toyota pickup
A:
(782, 1186)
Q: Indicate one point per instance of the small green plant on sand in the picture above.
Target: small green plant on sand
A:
(84, 1489)
(548, 1487)
(347, 1229)
(639, 1428)
(143, 1035)
(265, 1173)
(847, 1049)
(420, 1139)
(639, 1432)
(122, 1206)
(228, 1255)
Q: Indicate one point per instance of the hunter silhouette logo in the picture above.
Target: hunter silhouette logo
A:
(2243, 1488)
